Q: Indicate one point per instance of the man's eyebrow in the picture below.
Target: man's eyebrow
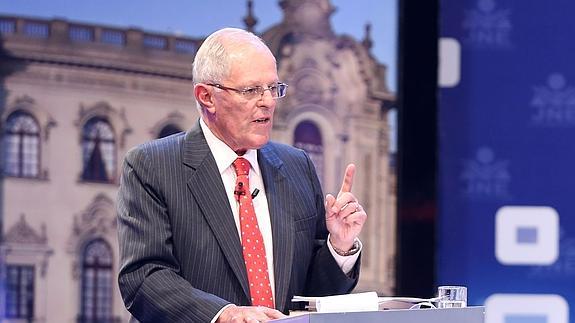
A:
(256, 84)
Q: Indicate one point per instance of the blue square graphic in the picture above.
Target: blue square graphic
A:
(525, 319)
(526, 235)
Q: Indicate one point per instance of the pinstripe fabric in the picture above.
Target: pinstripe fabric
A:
(181, 257)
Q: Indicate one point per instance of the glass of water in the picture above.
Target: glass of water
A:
(451, 296)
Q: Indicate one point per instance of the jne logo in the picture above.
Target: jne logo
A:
(487, 26)
(554, 104)
(486, 177)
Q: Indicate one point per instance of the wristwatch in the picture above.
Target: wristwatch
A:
(354, 249)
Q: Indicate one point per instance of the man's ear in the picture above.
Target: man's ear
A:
(204, 95)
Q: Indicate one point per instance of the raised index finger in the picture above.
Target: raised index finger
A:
(347, 179)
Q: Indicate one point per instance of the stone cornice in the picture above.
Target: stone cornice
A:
(132, 50)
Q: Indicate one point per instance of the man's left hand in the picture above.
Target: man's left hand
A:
(344, 215)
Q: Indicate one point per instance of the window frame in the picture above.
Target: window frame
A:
(299, 141)
(96, 300)
(110, 167)
(22, 137)
(20, 287)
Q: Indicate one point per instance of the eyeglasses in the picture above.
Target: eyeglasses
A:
(277, 90)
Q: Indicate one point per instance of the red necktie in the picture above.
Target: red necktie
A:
(252, 241)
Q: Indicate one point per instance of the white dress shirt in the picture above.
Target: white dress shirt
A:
(224, 157)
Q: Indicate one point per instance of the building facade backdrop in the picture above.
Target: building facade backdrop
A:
(75, 97)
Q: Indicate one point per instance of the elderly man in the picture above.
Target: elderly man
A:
(219, 224)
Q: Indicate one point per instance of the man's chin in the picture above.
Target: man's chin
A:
(260, 142)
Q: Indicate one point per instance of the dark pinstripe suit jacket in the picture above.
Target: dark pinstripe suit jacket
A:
(181, 257)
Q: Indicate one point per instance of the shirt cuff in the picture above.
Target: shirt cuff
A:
(346, 263)
(220, 313)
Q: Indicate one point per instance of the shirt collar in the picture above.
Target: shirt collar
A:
(223, 154)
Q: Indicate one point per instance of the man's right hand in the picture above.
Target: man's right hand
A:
(248, 314)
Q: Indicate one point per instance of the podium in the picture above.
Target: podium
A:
(473, 314)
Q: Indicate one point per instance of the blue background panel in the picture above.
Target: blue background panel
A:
(506, 135)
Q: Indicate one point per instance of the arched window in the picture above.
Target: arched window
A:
(98, 150)
(97, 282)
(168, 129)
(22, 145)
(308, 137)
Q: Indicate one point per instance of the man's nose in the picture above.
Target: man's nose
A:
(267, 99)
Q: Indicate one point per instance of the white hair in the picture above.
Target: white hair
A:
(212, 61)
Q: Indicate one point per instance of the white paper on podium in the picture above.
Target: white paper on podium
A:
(396, 303)
(359, 302)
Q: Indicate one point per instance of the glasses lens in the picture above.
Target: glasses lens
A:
(281, 90)
(276, 91)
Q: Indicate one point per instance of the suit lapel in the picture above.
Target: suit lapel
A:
(278, 196)
(208, 189)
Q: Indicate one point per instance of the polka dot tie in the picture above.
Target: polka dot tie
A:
(252, 241)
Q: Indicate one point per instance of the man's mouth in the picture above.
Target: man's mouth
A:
(262, 120)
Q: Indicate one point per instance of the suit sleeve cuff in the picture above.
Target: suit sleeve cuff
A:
(346, 263)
